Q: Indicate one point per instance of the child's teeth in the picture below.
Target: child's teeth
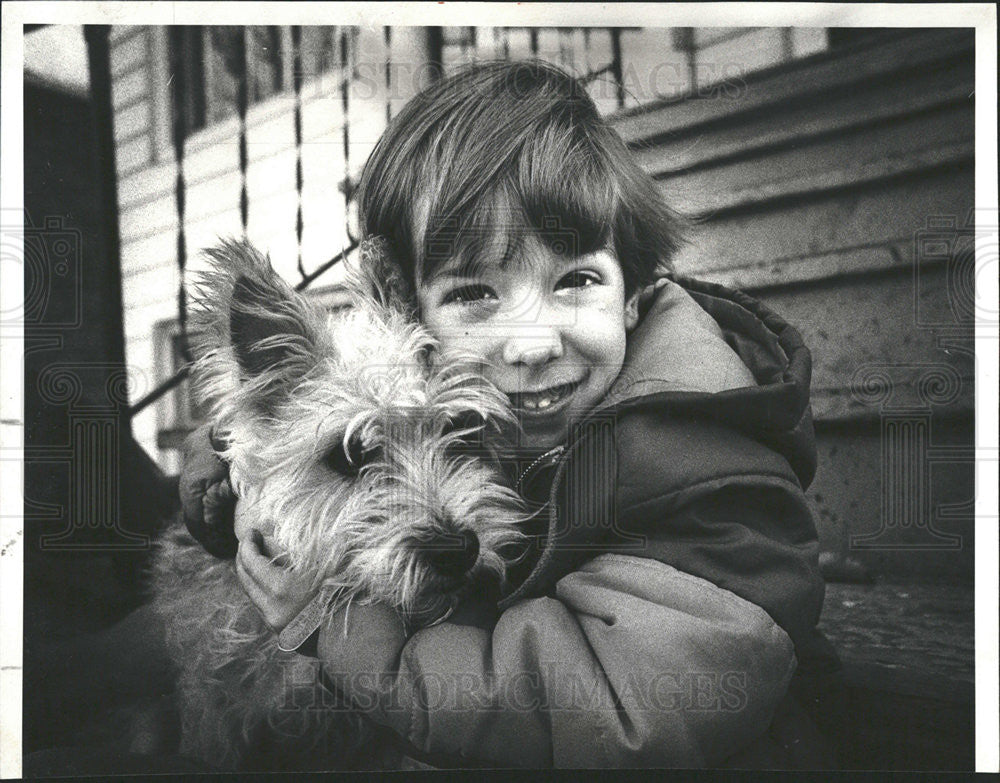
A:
(541, 401)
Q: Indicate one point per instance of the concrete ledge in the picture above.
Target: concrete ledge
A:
(908, 697)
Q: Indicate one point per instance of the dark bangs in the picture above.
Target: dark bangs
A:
(547, 190)
(479, 160)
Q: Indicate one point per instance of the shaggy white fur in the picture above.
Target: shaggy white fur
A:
(360, 447)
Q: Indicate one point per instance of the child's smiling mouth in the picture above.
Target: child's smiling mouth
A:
(543, 402)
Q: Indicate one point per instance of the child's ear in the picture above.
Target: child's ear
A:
(632, 311)
(377, 277)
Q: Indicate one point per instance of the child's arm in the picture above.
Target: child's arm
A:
(633, 663)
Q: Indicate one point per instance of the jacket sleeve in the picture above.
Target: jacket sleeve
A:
(755, 538)
(632, 663)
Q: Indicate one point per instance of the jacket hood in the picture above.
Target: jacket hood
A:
(708, 350)
(710, 375)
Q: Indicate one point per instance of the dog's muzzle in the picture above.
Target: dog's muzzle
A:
(454, 556)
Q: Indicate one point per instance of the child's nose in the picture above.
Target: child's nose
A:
(533, 349)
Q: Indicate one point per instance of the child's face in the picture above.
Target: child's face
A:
(549, 330)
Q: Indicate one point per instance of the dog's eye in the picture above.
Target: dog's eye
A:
(347, 459)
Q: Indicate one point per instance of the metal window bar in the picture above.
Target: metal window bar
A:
(616, 65)
(297, 90)
(468, 44)
(347, 72)
(684, 41)
(787, 43)
(181, 98)
(566, 54)
(387, 37)
(242, 101)
(435, 50)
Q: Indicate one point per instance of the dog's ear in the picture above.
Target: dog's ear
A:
(251, 317)
(377, 277)
(264, 328)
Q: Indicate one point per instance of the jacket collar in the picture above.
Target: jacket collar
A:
(676, 346)
(699, 349)
(707, 349)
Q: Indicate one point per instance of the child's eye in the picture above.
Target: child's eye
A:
(469, 294)
(578, 279)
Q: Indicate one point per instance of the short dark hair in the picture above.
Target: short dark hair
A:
(501, 148)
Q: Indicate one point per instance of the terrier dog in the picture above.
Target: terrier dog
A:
(348, 442)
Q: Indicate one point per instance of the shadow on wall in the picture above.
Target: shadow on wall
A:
(92, 496)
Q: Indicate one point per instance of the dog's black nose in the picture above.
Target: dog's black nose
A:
(454, 557)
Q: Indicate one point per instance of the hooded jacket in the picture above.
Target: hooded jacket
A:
(676, 589)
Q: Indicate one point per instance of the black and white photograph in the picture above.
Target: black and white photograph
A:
(466, 386)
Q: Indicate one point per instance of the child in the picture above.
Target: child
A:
(665, 439)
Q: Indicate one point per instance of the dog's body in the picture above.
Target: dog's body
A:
(347, 445)
(243, 703)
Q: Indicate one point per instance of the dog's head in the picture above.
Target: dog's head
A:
(349, 436)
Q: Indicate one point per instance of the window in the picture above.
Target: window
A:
(178, 412)
(209, 66)
(187, 78)
(264, 60)
(226, 64)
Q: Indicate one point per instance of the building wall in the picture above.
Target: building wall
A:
(819, 163)
(840, 191)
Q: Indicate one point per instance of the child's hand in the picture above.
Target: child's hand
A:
(206, 496)
(278, 593)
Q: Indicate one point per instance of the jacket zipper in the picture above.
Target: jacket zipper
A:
(557, 451)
